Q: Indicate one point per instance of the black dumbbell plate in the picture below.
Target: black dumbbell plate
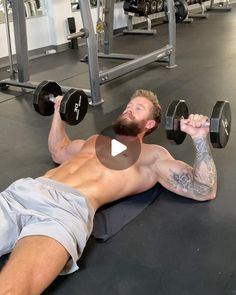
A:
(74, 106)
(175, 111)
(220, 124)
(41, 102)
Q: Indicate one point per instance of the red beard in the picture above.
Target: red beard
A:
(127, 127)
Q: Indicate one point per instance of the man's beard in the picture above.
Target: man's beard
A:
(129, 128)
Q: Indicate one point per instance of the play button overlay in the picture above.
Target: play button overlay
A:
(117, 147)
(117, 152)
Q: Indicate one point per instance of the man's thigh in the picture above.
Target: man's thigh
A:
(33, 264)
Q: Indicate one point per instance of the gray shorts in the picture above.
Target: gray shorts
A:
(44, 207)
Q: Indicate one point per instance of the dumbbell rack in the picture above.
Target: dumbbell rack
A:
(201, 14)
(96, 77)
(224, 6)
(131, 30)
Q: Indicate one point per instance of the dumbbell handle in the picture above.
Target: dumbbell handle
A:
(205, 125)
(51, 98)
(224, 123)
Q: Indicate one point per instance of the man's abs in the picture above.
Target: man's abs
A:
(98, 183)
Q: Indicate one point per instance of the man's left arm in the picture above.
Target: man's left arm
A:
(200, 181)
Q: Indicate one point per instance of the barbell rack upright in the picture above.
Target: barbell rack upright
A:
(8, 35)
(20, 33)
(166, 53)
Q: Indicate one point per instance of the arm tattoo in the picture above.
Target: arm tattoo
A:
(201, 180)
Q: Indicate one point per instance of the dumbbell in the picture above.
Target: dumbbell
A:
(153, 6)
(219, 123)
(73, 107)
(181, 10)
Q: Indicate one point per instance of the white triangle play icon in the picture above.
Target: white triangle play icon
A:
(117, 147)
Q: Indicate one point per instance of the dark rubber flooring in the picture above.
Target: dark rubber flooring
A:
(175, 246)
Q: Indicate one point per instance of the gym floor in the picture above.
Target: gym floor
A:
(176, 245)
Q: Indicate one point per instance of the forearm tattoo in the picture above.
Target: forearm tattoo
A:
(201, 180)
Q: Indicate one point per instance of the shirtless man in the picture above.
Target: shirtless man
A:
(46, 221)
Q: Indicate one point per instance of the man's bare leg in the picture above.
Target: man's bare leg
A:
(34, 263)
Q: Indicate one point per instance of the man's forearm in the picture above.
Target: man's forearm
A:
(57, 138)
(204, 170)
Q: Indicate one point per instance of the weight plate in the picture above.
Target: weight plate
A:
(181, 10)
(74, 106)
(176, 110)
(41, 102)
(144, 8)
(153, 6)
(160, 5)
(126, 6)
(220, 126)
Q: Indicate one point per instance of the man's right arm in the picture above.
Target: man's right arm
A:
(59, 144)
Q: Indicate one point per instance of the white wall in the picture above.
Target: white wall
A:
(57, 12)
(3, 40)
(37, 32)
(120, 19)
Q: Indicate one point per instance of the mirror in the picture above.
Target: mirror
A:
(33, 8)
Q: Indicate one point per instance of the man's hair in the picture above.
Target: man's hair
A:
(156, 112)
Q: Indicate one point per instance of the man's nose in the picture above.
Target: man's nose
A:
(130, 111)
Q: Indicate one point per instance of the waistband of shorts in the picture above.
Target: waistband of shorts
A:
(65, 188)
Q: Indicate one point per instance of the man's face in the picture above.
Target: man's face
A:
(134, 120)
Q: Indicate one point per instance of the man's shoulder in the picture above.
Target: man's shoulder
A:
(156, 150)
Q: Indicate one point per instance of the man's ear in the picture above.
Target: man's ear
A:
(150, 124)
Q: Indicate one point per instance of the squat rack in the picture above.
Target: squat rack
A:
(96, 77)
